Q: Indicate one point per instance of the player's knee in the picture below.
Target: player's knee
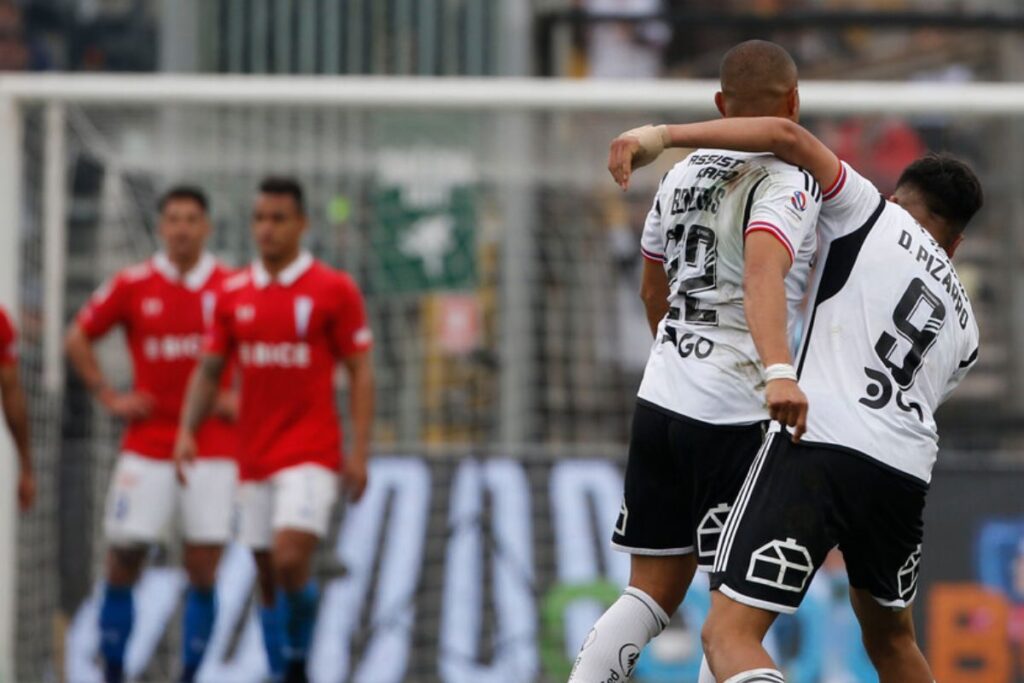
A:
(668, 597)
(124, 564)
(291, 567)
(664, 579)
(714, 635)
(202, 573)
(724, 629)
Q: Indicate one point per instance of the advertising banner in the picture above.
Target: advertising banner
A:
(468, 570)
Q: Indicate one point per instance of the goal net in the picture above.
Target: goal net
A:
(500, 265)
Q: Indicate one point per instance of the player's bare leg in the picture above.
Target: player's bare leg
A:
(117, 611)
(890, 641)
(657, 585)
(732, 636)
(666, 579)
(292, 565)
(265, 577)
(200, 562)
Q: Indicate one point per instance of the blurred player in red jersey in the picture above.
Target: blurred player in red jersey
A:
(287, 320)
(15, 411)
(164, 306)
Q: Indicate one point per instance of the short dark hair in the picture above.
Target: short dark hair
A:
(949, 187)
(285, 185)
(190, 192)
(755, 75)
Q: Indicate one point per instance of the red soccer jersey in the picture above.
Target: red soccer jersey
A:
(8, 340)
(286, 334)
(164, 316)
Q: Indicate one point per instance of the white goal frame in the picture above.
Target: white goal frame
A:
(57, 91)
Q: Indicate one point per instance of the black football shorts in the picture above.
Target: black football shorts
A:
(681, 479)
(802, 500)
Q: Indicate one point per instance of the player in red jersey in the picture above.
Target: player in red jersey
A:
(287, 321)
(164, 306)
(15, 412)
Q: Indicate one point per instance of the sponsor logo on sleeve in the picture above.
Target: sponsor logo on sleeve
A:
(363, 336)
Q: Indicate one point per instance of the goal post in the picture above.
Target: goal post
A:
(682, 96)
(498, 260)
(10, 217)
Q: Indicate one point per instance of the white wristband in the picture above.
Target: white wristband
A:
(779, 371)
(652, 139)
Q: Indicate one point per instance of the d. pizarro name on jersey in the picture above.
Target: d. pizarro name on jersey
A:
(935, 263)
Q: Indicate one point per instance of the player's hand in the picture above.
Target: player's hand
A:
(354, 476)
(130, 405)
(185, 450)
(787, 404)
(633, 149)
(26, 490)
(226, 405)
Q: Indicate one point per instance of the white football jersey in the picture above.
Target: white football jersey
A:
(703, 364)
(890, 331)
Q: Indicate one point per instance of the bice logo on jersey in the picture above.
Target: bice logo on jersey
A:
(172, 347)
(799, 200)
(275, 354)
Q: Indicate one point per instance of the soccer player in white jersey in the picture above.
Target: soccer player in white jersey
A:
(727, 248)
(163, 304)
(890, 333)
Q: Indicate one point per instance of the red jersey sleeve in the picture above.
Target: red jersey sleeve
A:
(107, 307)
(218, 338)
(350, 331)
(8, 340)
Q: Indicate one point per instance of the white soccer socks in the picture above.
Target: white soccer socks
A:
(705, 675)
(613, 646)
(758, 676)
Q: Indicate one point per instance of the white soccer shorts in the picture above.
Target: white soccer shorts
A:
(145, 495)
(300, 498)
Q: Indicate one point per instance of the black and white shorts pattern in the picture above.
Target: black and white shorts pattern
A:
(802, 500)
(681, 479)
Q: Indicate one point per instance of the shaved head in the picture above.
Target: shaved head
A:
(759, 78)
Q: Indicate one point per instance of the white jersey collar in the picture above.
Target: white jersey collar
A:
(287, 277)
(195, 278)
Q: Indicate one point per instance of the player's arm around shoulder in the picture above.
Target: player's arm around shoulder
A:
(785, 139)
